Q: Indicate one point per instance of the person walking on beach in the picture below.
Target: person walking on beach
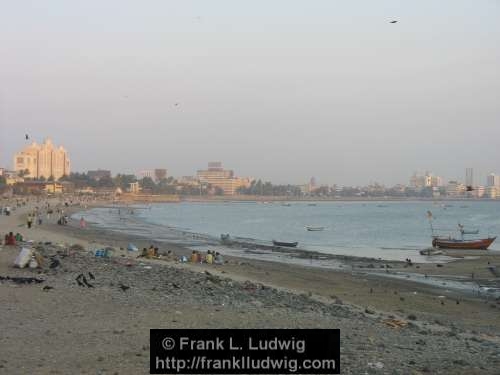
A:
(83, 224)
(30, 221)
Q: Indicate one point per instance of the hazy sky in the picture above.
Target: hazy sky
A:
(282, 90)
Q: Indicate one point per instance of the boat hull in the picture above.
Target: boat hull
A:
(479, 244)
(315, 229)
(285, 244)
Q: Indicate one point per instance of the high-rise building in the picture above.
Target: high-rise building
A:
(45, 160)
(493, 180)
(224, 179)
(469, 177)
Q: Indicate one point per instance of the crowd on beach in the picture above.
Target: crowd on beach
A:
(211, 257)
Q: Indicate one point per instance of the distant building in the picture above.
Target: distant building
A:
(493, 180)
(428, 180)
(469, 177)
(147, 173)
(45, 160)
(189, 180)
(160, 174)
(455, 189)
(492, 192)
(98, 174)
(134, 187)
(224, 179)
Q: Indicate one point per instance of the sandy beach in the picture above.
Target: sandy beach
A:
(105, 329)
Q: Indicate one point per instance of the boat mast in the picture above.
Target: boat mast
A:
(429, 217)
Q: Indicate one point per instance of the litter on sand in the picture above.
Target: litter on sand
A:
(395, 323)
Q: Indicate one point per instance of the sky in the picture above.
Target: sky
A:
(280, 90)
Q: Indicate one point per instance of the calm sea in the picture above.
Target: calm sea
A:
(387, 230)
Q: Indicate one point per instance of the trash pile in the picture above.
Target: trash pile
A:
(29, 258)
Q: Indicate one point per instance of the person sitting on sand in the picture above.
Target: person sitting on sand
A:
(10, 240)
(19, 237)
(144, 253)
(218, 258)
(170, 255)
(156, 252)
(194, 257)
(151, 252)
(209, 259)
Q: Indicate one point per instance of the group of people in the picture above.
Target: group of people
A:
(12, 240)
(212, 257)
(152, 252)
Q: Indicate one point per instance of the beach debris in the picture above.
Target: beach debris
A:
(54, 263)
(87, 284)
(123, 287)
(376, 365)
(395, 323)
(22, 280)
(132, 247)
(47, 288)
(33, 262)
(91, 275)
(23, 258)
(493, 270)
(76, 247)
(79, 282)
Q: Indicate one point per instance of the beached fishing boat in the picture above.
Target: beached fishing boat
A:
(462, 243)
(314, 229)
(285, 244)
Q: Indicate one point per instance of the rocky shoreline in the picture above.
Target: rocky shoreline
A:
(185, 298)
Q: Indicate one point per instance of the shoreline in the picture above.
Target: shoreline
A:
(241, 293)
(353, 269)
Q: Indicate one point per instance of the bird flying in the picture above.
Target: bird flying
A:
(27, 136)
(394, 21)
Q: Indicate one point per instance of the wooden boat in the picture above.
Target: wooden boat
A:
(430, 252)
(285, 244)
(315, 229)
(451, 243)
(463, 243)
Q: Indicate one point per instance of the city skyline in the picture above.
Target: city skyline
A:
(427, 178)
(331, 90)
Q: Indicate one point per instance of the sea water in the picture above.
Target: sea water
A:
(386, 230)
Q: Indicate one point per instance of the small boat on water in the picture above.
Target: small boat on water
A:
(285, 244)
(315, 229)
